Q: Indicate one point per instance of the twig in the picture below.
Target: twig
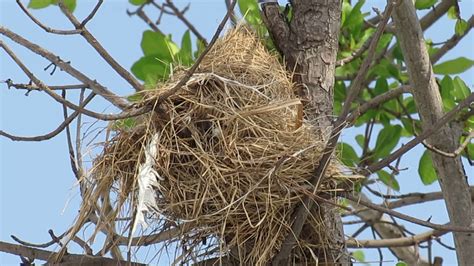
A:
(180, 15)
(72, 158)
(454, 154)
(92, 14)
(395, 242)
(408, 218)
(191, 71)
(53, 133)
(141, 14)
(94, 85)
(452, 42)
(44, 27)
(377, 100)
(412, 143)
(58, 98)
(72, 259)
(31, 87)
(100, 49)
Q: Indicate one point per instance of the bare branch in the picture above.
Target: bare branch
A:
(412, 143)
(376, 101)
(454, 154)
(59, 99)
(92, 14)
(68, 259)
(451, 228)
(44, 27)
(100, 49)
(94, 85)
(31, 87)
(180, 15)
(452, 42)
(191, 71)
(53, 133)
(395, 242)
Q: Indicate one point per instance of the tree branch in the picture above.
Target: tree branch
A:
(100, 49)
(94, 85)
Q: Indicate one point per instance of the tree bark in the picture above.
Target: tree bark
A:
(426, 94)
(309, 45)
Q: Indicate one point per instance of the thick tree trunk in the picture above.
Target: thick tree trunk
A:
(450, 171)
(309, 45)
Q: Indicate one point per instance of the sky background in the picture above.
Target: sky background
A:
(37, 186)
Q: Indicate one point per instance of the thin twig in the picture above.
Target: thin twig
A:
(44, 27)
(92, 14)
(94, 85)
(100, 49)
(180, 15)
(53, 133)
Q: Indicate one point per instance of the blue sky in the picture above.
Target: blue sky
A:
(38, 189)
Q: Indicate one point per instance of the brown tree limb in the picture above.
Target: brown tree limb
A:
(452, 42)
(449, 227)
(301, 211)
(69, 259)
(100, 49)
(395, 242)
(31, 87)
(425, 134)
(94, 85)
(44, 27)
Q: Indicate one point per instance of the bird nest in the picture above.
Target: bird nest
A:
(224, 160)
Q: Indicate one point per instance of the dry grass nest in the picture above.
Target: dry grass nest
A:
(226, 158)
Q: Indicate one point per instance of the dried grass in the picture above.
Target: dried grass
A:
(234, 155)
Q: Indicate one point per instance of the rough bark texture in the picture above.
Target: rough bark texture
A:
(309, 45)
(450, 171)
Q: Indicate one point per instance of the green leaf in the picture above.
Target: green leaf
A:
(185, 55)
(37, 4)
(347, 154)
(389, 180)
(381, 86)
(150, 69)
(455, 66)
(159, 45)
(447, 96)
(426, 170)
(460, 27)
(359, 255)
(460, 91)
(424, 4)
(453, 13)
(138, 2)
(387, 140)
(249, 9)
(401, 263)
(360, 139)
(69, 4)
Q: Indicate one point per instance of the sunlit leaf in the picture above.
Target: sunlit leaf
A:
(460, 27)
(159, 45)
(37, 4)
(424, 4)
(455, 66)
(185, 54)
(426, 170)
(69, 4)
(460, 91)
(358, 255)
(150, 69)
(137, 2)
